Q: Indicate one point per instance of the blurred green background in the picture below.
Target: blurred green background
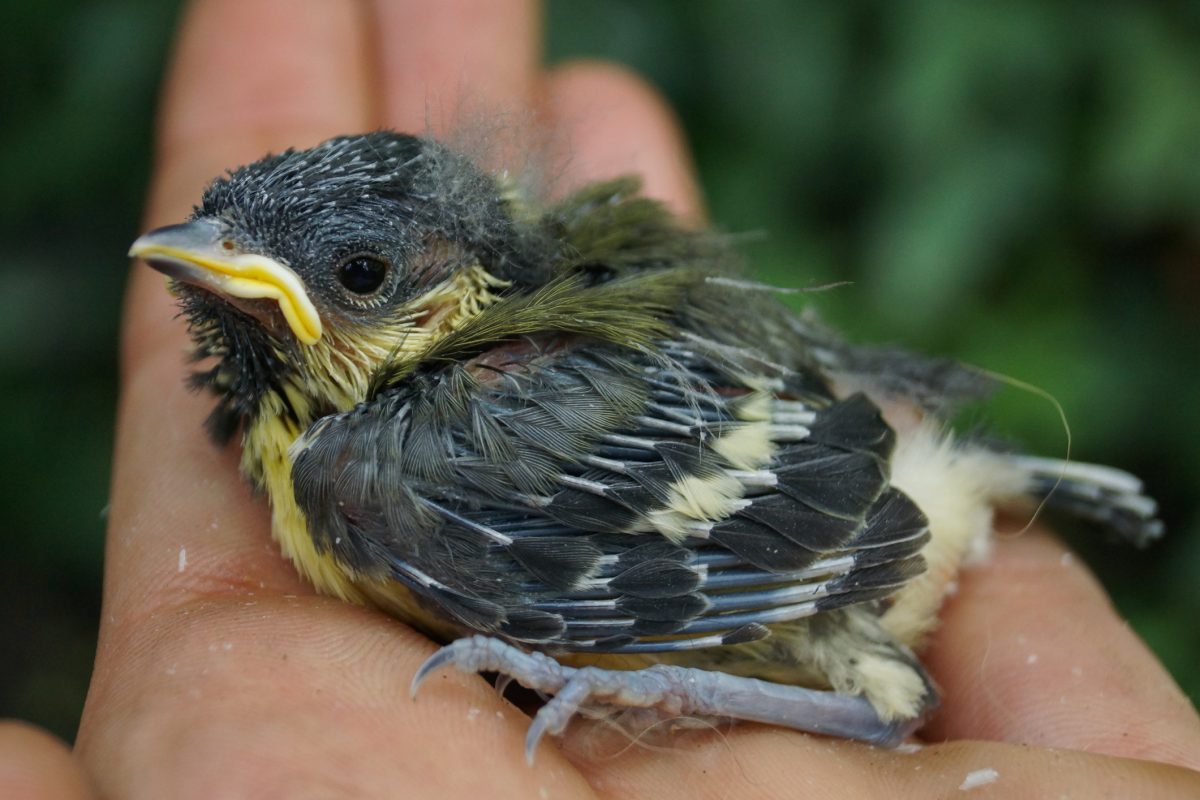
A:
(1016, 184)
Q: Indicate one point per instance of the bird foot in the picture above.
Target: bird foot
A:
(674, 691)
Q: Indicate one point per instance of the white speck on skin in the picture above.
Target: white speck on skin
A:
(182, 559)
(1067, 559)
(227, 646)
(951, 588)
(499, 715)
(909, 747)
(1031, 658)
(472, 713)
(980, 777)
(170, 670)
(214, 525)
(1076, 671)
(212, 648)
(542, 793)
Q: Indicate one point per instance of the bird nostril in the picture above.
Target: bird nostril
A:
(226, 244)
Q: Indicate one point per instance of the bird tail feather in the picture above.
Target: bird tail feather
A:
(1103, 495)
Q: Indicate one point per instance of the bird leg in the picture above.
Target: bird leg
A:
(671, 689)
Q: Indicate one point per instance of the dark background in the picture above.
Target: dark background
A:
(1016, 185)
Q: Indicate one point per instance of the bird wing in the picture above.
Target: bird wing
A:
(582, 496)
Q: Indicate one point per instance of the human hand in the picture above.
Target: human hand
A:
(220, 673)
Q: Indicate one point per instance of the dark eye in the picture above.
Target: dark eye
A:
(362, 274)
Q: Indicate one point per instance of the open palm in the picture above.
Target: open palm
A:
(221, 674)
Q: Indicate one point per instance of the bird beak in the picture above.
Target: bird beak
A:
(198, 253)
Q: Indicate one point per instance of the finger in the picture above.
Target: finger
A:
(607, 122)
(1030, 650)
(306, 697)
(248, 76)
(760, 762)
(441, 61)
(34, 765)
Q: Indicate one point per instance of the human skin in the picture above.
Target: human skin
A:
(221, 674)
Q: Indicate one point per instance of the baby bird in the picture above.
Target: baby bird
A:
(573, 442)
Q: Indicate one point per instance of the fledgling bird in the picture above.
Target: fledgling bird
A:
(574, 442)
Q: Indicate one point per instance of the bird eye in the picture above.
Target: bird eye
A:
(362, 274)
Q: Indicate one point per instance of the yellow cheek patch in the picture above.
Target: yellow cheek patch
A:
(445, 307)
(339, 371)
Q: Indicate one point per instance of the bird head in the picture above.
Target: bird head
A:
(304, 271)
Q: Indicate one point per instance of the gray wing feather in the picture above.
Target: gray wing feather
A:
(511, 498)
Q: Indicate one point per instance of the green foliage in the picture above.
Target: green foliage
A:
(1015, 184)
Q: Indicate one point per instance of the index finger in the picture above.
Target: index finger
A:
(248, 76)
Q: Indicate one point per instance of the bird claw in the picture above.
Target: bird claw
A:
(572, 689)
(486, 654)
(652, 687)
(670, 689)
